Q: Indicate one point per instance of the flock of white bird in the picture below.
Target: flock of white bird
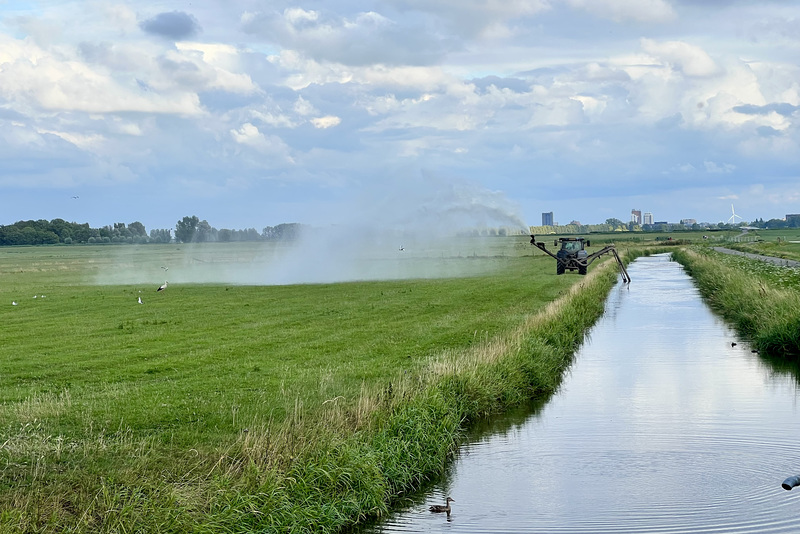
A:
(14, 302)
(162, 287)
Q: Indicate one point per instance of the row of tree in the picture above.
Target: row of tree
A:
(187, 230)
(616, 225)
(193, 230)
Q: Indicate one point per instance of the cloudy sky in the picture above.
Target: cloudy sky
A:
(253, 113)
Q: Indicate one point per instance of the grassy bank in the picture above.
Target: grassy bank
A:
(760, 300)
(229, 408)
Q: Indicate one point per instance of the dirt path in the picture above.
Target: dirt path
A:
(769, 259)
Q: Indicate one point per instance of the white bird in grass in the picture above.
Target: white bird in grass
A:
(140, 300)
(13, 303)
(162, 287)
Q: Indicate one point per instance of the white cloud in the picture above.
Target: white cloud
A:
(187, 69)
(327, 121)
(296, 15)
(215, 54)
(591, 105)
(249, 135)
(303, 107)
(689, 59)
(127, 128)
(35, 79)
(276, 120)
(303, 72)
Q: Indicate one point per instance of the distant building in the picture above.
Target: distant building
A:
(793, 220)
(688, 222)
(636, 216)
(648, 218)
(576, 223)
(547, 219)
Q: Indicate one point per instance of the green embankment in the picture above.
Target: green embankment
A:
(218, 408)
(760, 300)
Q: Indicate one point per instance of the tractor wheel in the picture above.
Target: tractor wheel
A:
(560, 268)
(582, 270)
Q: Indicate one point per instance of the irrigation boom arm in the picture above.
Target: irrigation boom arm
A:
(581, 263)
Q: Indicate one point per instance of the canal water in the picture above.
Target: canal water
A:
(662, 425)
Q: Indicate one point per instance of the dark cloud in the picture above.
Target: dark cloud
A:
(172, 25)
(781, 108)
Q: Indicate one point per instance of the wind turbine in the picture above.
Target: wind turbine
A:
(733, 217)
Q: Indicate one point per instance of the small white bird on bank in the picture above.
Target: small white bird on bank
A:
(13, 303)
(140, 300)
(162, 287)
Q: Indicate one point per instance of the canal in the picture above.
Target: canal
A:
(665, 423)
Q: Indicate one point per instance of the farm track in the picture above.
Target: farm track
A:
(770, 259)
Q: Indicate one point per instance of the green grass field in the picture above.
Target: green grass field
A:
(101, 395)
(200, 359)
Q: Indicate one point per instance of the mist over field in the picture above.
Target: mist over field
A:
(424, 227)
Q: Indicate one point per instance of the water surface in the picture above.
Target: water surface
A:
(661, 425)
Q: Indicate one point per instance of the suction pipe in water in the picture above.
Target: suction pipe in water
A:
(791, 482)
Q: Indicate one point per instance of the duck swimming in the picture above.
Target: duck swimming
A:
(442, 507)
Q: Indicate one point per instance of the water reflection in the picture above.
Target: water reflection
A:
(661, 426)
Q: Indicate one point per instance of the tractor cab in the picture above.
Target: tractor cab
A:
(572, 244)
(572, 250)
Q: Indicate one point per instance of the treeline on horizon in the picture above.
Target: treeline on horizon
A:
(616, 225)
(190, 229)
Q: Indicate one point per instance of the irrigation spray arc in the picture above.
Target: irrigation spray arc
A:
(359, 240)
(365, 236)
